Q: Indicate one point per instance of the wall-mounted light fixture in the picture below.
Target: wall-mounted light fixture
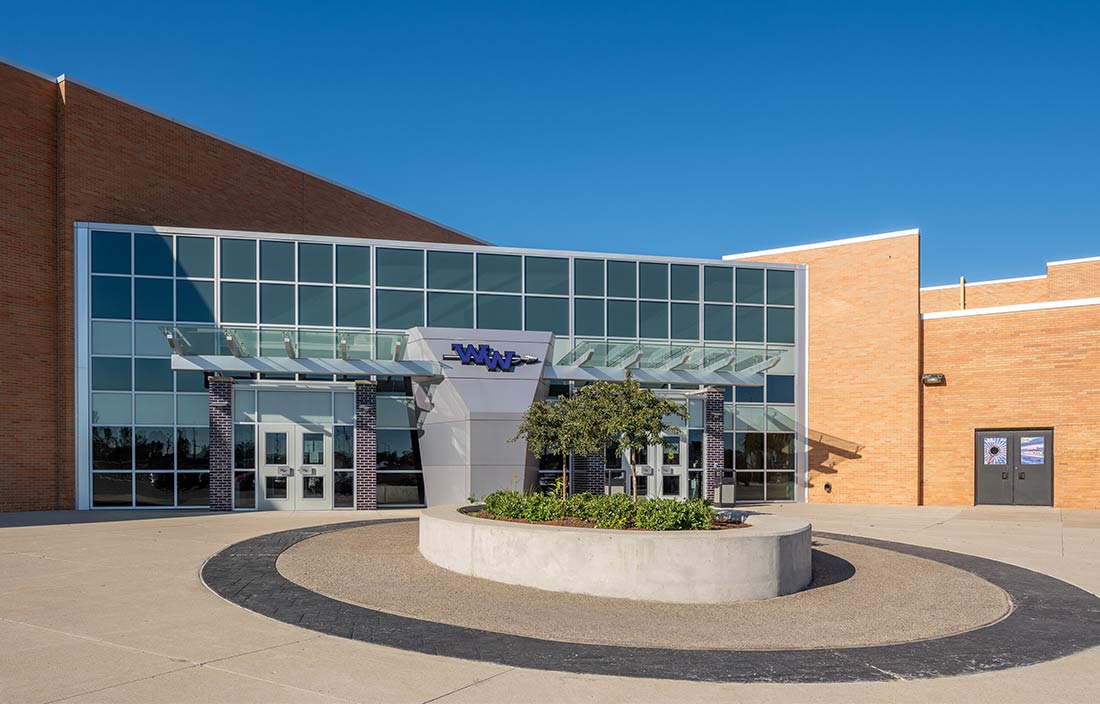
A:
(219, 404)
(933, 379)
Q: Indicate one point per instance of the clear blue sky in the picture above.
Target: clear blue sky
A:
(691, 128)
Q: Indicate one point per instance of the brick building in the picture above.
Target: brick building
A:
(187, 323)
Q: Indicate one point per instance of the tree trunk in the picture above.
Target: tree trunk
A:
(633, 478)
(564, 476)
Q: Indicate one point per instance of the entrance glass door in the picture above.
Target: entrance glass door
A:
(315, 468)
(672, 480)
(277, 486)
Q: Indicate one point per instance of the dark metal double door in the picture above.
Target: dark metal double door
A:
(1014, 467)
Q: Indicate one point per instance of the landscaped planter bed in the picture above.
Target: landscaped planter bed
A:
(571, 522)
(769, 558)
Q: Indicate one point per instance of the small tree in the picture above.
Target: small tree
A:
(631, 416)
(562, 426)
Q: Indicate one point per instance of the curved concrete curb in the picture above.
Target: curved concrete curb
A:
(770, 558)
(1051, 619)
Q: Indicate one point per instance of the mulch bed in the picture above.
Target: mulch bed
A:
(572, 522)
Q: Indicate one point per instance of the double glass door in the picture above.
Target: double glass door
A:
(295, 464)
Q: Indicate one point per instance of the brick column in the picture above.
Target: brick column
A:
(589, 474)
(221, 443)
(366, 445)
(714, 441)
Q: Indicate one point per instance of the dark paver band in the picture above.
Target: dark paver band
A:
(1050, 619)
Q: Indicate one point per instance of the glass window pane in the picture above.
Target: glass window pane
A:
(498, 272)
(195, 301)
(192, 409)
(277, 261)
(781, 419)
(749, 450)
(685, 282)
(397, 449)
(696, 458)
(400, 488)
(313, 487)
(244, 406)
(315, 305)
(111, 338)
(152, 299)
(110, 297)
(352, 264)
(193, 448)
(238, 303)
(343, 407)
(352, 307)
(780, 486)
(780, 451)
(244, 490)
(193, 489)
(749, 394)
(588, 317)
(112, 489)
(780, 287)
(153, 448)
(153, 254)
(622, 279)
(315, 262)
(275, 448)
(110, 374)
(652, 280)
(499, 312)
(149, 340)
(399, 309)
(152, 374)
(343, 447)
(717, 322)
(238, 259)
(451, 310)
(718, 284)
(343, 489)
(195, 257)
(749, 418)
(110, 252)
(549, 314)
(653, 319)
(111, 447)
(112, 409)
(155, 408)
(750, 486)
(780, 324)
(190, 381)
(451, 270)
(685, 321)
(275, 487)
(750, 324)
(547, 275)
(750, 285)
(277, 304)
(621, 319)
(396, 412)
(588, 277)
(780, 388)
(400, 267)
(313, 448)
(728, 451)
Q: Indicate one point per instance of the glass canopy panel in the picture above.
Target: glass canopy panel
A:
(194, 340)
(670, 356)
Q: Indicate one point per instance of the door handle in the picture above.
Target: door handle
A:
(1004, 475)
(1021, 475)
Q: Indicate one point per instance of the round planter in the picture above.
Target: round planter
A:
(769, 558)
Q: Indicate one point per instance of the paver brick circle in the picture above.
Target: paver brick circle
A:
(1050, 619)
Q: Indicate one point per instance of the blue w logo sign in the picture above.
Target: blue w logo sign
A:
(486, 356)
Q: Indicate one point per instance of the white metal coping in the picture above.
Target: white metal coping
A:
(993, 310)
(823, 245)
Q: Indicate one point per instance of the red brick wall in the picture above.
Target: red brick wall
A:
(72, 154)
(1014, 370)
(864, 379)
(28, 303)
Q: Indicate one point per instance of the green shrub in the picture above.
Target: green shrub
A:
(673, 514)
(617, 511)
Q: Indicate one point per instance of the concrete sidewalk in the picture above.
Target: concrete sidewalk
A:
(108, 607)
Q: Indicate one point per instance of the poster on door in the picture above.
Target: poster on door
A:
(996, 450)
(1032, 450)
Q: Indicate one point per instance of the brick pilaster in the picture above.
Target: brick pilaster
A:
(589, 474)
(714, 441)
(366, 445)
(221, 443)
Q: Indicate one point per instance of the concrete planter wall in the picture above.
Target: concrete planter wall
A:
(770, 558)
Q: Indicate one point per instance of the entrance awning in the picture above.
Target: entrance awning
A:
(667, 363)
